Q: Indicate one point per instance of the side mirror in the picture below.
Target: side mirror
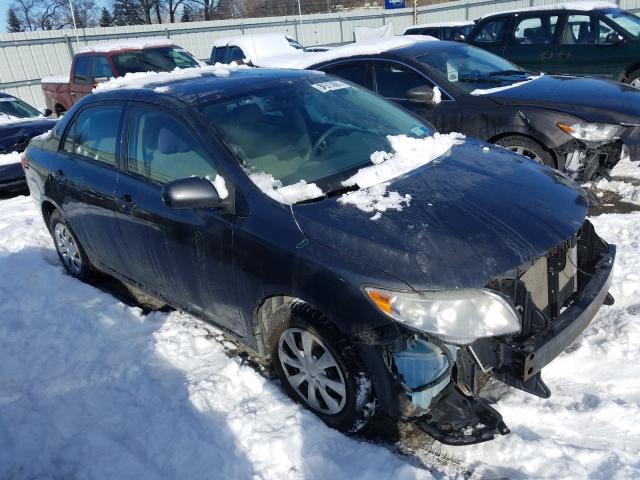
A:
(422, 94)
(615, 38)
(458, 37)
(46, 112)
(192, 192)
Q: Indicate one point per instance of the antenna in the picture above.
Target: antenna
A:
(75, 28)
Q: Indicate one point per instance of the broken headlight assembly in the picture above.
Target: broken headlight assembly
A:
(455, 316)
(592, 132)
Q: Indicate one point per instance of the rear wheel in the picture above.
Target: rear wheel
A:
(634, 78)
(529, 148)
(319, 368)
(69, 250)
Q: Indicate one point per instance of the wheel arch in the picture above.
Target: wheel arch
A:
(628, 71)
(47, 208)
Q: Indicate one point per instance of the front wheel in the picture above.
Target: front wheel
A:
(69, 250)
(634, 78)
(320, 369)
(529, 148)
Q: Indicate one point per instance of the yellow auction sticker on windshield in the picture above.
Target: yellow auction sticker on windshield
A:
(329, 86)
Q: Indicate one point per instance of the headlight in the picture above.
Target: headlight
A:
(592, 132)
(455, 316)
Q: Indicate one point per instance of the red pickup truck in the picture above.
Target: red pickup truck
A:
(100, 62)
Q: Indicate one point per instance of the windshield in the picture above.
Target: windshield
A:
(163, 59)
(315, 129)
(12, 107)
(469, 68)
(630, 23)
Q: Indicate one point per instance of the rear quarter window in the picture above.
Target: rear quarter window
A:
(93, 134)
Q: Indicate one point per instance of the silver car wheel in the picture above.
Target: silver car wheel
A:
(312, 371)
(635, 82)
(68, 249)
(526, 152)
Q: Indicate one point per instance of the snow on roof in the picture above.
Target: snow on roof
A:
(260, 45)
(461, 23)
(134, 44)
(143, 79)
(579, 6)
(306, 59)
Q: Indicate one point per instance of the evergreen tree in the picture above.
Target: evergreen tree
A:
(127, 12)
(13, 22)
(106, 20)
(187, 15)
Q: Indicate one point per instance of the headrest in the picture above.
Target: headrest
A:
(170, 143)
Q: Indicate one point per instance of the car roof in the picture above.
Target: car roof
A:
(6, 95)
(461, 23)
(575, 6)
(196, 85)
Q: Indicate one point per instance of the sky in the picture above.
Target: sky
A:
(4, 5)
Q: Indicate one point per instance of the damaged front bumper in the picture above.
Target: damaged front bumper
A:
(443, 382)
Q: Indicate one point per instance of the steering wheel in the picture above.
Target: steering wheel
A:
(331, 131)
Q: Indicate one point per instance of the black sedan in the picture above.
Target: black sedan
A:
(578, 126)
(381, 266)
(19, 123)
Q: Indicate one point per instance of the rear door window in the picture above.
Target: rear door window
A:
(539, 30)
(581, 29)
(492, 32)
(352, 71)
(81, 70)
(93, 134)
(163, 149)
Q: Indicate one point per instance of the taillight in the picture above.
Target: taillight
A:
(24, 161)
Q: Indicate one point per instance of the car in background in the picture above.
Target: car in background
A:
(100, 62)
(451, 31)
(19, 123)
(576, 125)
(592, 39)
(380, 266)
(251, 48)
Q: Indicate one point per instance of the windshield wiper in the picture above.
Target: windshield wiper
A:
(340, 190)
(509, 72)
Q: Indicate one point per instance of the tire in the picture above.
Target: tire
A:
(60, 111)
(634, 78)
(348, 402)
(71, 254)
(529, 148)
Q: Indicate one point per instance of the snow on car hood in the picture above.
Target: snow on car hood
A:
(474, 214)
(593, 99)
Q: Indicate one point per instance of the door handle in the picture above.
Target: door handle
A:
(564, 55)
(126, 203)
(546, 55)
(73, 94)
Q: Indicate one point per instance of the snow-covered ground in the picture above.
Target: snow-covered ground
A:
(93, 388)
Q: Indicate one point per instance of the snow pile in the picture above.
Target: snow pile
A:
(6, 119)
(220, 185)
(130, 44)
(311, 58)
(624, 169)
(260, 45)
(297, 192)
(9, 158)
(489, 91)
(375, 198)
(92, 388)
(408, 154)
(142, 79)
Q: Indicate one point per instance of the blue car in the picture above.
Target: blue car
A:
(19, 123)
(380, 267)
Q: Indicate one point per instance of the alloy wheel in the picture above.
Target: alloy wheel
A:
(312, 371)
(526, 152)
(68, 249)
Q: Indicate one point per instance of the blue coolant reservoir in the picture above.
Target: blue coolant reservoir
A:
(421, 363)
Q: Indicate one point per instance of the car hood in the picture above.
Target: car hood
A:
(592, 99)
(474, 214)
(20, 132)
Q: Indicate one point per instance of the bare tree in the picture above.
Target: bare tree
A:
(54, 14)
